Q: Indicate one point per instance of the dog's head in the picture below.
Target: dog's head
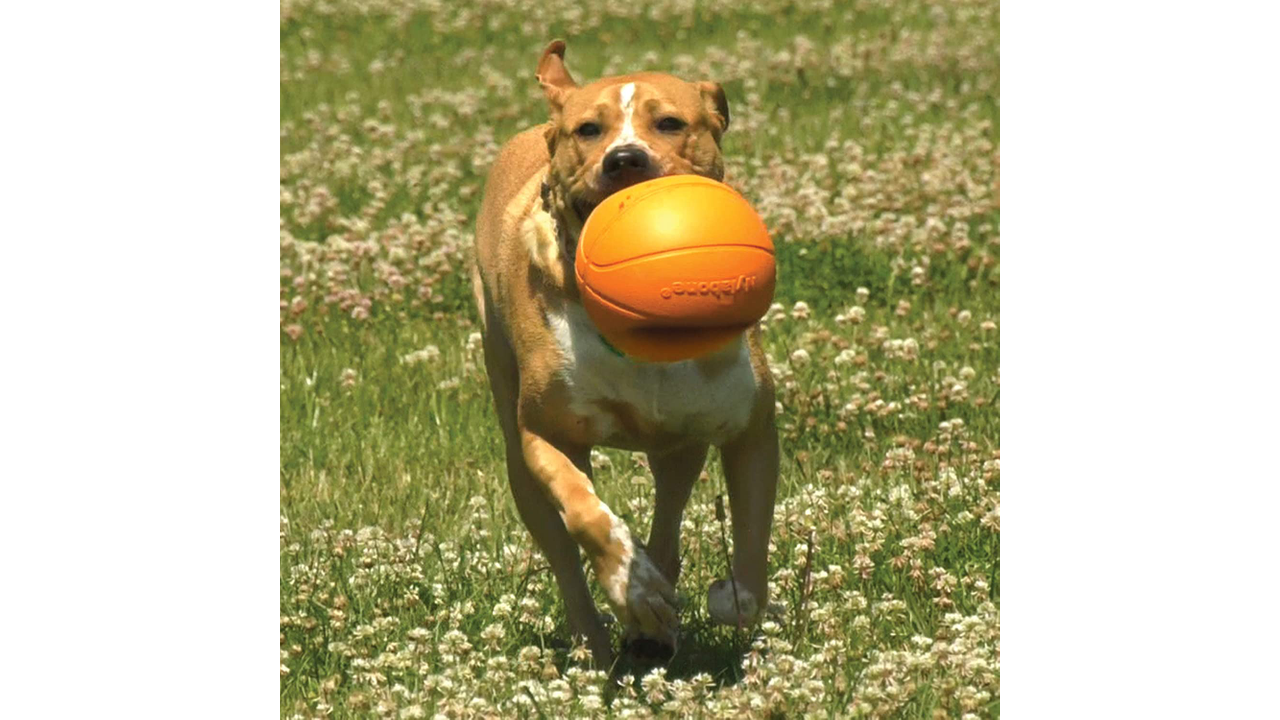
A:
(619, 131)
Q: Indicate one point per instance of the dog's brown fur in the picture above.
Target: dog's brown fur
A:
(557, 396)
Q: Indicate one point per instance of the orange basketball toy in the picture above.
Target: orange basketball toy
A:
(674, 268)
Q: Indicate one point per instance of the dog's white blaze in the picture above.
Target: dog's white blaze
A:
(627, 136)
(677, 398)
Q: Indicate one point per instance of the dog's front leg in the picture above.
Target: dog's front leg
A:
(638, 593)
(674, 474)
(751, 474)
(536, 510)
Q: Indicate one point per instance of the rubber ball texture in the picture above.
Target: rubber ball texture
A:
(674, 268)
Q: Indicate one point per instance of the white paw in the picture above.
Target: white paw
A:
(650, 601)
(725, 611)
(640, 595)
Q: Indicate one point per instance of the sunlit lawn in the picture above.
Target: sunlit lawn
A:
(868, 137)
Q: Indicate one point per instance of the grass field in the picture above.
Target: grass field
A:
(867, 134)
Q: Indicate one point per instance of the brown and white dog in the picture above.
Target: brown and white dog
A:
(559, 390)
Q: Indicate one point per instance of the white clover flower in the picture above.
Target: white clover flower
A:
(429, 354)
(655, 685)
(910, 348)
(493, 635)
(800, 358)
(559, 690)
(600, 460)
(580, 653)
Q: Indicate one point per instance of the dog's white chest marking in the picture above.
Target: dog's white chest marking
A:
(677, 399)
(627, 136)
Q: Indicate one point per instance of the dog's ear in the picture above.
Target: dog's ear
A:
(716, 105)
(555, 79)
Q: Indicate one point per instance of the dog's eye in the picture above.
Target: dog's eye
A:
(588, 130)
(671, 124)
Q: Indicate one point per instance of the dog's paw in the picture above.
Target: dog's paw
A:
(644, 601)
(724, 610)
(647, 651)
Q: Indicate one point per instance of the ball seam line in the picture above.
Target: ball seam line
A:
(685, 180)
(672, 252)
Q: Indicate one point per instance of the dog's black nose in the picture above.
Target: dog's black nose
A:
(628, 158)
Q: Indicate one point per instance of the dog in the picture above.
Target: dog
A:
(559, 390)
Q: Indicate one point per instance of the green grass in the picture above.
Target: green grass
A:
(875, 168)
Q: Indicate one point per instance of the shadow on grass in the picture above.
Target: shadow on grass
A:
(704, 649)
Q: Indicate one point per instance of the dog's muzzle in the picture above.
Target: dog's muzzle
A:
(626, 165)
